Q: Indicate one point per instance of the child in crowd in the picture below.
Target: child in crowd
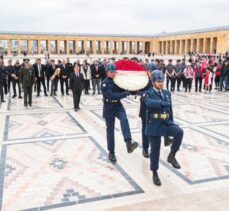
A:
(208, 80)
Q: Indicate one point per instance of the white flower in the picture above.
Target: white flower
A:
(131, 80)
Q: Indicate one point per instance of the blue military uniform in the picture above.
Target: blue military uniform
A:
(142, 113)
(159, 122)
(112, 109)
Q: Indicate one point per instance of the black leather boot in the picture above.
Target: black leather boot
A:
(112, 157)
(171, 159)
(145, 153)
(156, 179)
(131, 146)
(167, 141)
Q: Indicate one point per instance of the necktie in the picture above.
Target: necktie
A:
(160, 95)
(39, 70)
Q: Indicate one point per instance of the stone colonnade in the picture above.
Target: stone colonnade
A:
(72, 45)
(184, 46)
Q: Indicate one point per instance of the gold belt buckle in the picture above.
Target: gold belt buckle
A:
(163, 116)
(155, 116)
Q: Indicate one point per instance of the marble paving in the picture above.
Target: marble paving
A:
(55, 169)
(55, 158)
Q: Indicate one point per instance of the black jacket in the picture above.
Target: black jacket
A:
(224, 71)
(3, 73)
(64, 71)
(42, 73)
(96, 74)
(69, 67)
(76, 83)
(16, 71)
(50, 70)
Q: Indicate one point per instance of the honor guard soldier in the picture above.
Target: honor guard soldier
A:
(113, 108)
(142, 113)
(159, 122)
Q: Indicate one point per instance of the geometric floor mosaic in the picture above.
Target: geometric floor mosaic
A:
(40, 125)
(203, 158)
(56, 170)
(48, 103)
(49, 159)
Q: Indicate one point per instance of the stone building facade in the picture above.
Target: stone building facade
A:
(212, 40)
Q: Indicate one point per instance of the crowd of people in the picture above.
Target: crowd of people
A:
(202, 70)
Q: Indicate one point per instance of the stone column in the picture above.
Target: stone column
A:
(8, 47)
(29, 46)
(136, 47)
(120, 47)
(85, 46)
(181, 47)
(211, 44)
(143, 47)
(127, 47)
(18, 46)
(57, 46)
(162, 47)
(197, 44)
(177, 47)
(67, 46)
(167, 47)
(38, 47)
(102, 46)
(48, 46)
(191, 45)
(186, 46)
(204, 45)
(76, 46)
(111, 46)
(171, 47)
(94, 46)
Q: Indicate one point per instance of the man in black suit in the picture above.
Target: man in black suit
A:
(96, 75)
(7, 82)
(40, 75)
(2, 71)
(76, 85)
(64, 75)
(16, 72)
(103, 67)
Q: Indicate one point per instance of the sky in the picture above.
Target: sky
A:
(146, 17)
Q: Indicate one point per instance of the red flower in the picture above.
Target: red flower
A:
(128, 65)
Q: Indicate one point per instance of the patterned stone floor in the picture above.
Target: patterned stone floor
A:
(55, 158)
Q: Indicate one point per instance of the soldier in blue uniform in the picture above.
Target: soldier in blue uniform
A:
(159, 122)
(113, 108)
(142, 113)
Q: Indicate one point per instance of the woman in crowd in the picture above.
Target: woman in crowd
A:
(188, 75)
(86, 72)
(217, 75)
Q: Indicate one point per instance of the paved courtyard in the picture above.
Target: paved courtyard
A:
(55, 158)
